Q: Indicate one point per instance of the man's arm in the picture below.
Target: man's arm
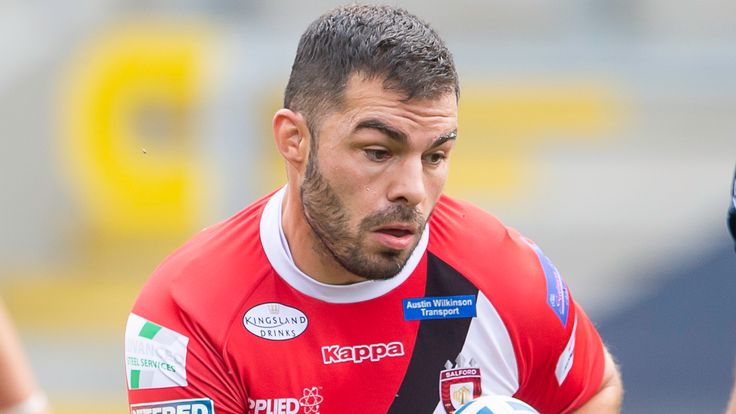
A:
(732, 405)
(18, 390)
(610, 394)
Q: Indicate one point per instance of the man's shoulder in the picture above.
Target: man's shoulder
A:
(210, 273)
(219, 246)
(482, 248)
(510, 270)
(455, 221)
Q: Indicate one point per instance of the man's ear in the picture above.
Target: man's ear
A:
(292, 136)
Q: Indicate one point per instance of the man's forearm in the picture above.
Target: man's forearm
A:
(609, 396)
(732, 404)
(16, 381)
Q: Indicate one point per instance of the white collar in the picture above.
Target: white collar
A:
(278, 253)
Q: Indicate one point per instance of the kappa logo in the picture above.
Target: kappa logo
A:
(333, 354)
(308, 403)
(459, 383)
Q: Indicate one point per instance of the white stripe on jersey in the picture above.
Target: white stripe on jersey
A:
(489, 344)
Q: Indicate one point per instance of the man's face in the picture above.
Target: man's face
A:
(378, 170)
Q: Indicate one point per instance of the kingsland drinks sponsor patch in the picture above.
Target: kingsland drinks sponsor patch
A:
(196, 406)
(275, 321)
(155, 356)
(440, 307)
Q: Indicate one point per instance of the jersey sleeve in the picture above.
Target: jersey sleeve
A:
(556, 351)
(173, 364)
(559, 352)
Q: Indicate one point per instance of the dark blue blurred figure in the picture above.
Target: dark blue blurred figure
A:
(732, 227)
(732, 210)
(676, 345)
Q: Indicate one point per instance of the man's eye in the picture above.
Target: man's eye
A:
(435, 158)
(377, 154)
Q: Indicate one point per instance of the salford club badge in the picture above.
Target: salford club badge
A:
(459, 384)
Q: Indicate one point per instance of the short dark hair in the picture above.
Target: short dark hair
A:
(376, 42)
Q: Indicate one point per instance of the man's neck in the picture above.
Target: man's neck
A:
(307, 251)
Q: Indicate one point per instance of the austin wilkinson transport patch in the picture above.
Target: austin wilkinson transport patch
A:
(440, 307)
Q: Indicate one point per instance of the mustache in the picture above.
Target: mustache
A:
(396, 213)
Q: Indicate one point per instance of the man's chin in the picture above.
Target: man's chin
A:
(387, 266)
(377, 262)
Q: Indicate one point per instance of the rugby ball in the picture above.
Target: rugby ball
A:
(496, 404)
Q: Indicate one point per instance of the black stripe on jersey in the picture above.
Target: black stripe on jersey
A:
(438, 341)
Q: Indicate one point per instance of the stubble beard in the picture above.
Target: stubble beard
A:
(327, 216)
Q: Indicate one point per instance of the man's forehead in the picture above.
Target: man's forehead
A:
(361, 90)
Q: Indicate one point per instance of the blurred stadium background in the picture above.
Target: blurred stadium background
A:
(605, 130)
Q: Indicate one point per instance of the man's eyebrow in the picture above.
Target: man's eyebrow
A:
(376, 124)
(444, 138)
(399, 136)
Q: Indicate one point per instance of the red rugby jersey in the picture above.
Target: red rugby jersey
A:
(229, 325)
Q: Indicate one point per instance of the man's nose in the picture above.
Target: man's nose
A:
(407, 182)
